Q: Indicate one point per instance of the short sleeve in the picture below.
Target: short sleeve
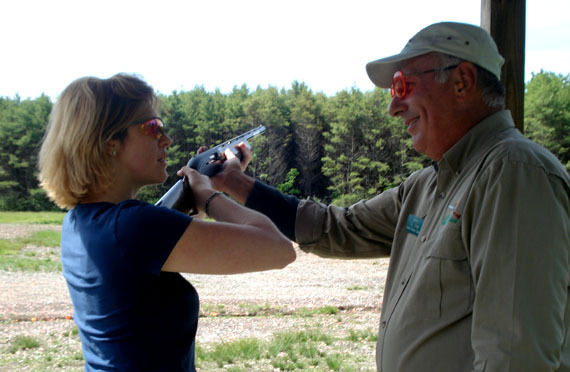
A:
(147, 234)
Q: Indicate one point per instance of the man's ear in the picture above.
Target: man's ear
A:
(464, 79)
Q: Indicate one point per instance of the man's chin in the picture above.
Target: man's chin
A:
(416, 144)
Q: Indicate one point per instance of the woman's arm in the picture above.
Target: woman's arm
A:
(241, 240)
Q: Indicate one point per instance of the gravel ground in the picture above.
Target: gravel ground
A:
(310, 282)
(38, 303)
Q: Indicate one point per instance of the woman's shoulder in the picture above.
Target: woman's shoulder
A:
(143, 217)
(138, 209)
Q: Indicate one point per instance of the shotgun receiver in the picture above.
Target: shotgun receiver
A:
(180, 195)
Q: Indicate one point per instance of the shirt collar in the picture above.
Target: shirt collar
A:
(476, 141)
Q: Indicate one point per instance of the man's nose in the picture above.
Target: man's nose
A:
(396, 106)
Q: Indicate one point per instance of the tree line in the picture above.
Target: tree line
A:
(337, 149)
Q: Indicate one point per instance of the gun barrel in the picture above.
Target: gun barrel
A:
(244, 136)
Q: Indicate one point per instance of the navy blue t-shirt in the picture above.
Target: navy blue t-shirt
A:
(130, 315)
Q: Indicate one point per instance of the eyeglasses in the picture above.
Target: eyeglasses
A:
(400, 87)
(153, 127)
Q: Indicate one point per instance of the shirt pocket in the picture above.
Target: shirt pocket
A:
(444, 275)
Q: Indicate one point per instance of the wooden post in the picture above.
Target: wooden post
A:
(505, 20)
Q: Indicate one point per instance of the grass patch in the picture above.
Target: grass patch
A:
(45, 352)
(23, 343)
(323, 310)
(334, 362)
(229, 352)
(39, 218)
(43, 238)
(362, 335)
(283, 341)
(313, 349)
(15, 257)
(285, 351)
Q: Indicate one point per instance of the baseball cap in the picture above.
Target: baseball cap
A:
(468, 42)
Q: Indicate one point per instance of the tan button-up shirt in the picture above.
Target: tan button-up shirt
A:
(479, 249)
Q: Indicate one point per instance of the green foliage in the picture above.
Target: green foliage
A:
(288, 187)
(308, 125)
(22, 125)
(547, 113)
(366, 150)
(346, 200)
(150, 193)
(31, 200)
(339, 149)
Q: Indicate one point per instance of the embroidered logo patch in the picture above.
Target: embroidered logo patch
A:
(453, 215)
(414, 224)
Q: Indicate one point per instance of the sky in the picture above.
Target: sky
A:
(177, 45)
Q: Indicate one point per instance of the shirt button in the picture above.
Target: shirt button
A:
(423, 238)
(383, 324)
(442, 195)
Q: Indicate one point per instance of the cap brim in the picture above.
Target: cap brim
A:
(382, 70)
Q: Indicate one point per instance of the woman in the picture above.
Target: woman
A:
(122, 257)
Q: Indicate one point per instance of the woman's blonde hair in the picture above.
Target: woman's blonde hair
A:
(74, 161)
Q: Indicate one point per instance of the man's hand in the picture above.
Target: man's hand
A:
(242, 148)
(232, 180)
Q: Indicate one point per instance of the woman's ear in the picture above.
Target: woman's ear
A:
(112, 147)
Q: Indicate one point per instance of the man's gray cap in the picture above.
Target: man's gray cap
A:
(468, 42)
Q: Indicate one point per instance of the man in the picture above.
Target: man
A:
(479, 243)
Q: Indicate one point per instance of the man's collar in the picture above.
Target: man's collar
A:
(476, 141)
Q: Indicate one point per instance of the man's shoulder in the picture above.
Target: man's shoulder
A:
(422, 175)
(418, 181)
(517, 149)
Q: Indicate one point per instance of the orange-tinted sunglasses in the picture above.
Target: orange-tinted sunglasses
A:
(400, 87)
(153, 127)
